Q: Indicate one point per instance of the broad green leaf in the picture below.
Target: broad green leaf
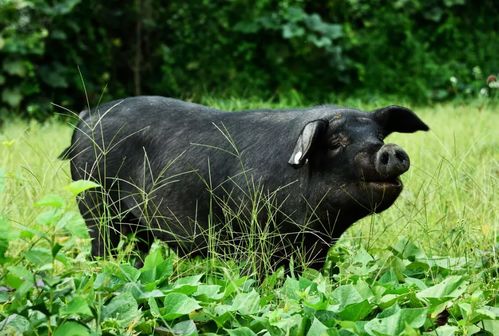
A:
(185, 328)
(71, 328)
(156, 268)
(193, 280)
(474, 315)
(247, 303)
(346, 295)
(77, 306)
(16, 67)
(316, 302)
(39, 256)
(14, 325)
(419, 284)
(48, 218)
(445, 330)
(178, 304)
(155, 293)
(55, 249)
(451, 287)
(356, 311)
(291, 288)
(187, 285)
(18, 277)
(12, 96)
(406, 249)
(396, 323)
(491, 326)
(80, 186)
(287, 322)
(210, 292)
(53, 201)
(129, 273)
(153, 307)
(317, 329)
(362, 257)
(123, 308)
(326, 317)
(74, 223)
(242, 331)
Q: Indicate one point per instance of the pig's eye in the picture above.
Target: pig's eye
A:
(338, 142)
(335, 146)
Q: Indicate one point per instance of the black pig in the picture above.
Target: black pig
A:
(174, 170)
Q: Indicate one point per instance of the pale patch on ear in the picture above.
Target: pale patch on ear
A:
(298, 157)
(305, 141)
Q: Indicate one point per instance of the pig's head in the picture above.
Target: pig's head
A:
(346, 156)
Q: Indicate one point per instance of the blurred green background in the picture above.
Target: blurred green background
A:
(420, 51)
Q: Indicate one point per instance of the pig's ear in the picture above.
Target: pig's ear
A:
(398, 119)
(308, 137)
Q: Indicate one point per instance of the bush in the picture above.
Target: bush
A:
(324, 50)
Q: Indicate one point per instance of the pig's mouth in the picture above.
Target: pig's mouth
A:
(392, 184)
(379, 195)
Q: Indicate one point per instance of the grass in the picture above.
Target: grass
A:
(447, 213)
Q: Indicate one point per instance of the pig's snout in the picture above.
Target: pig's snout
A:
(391, 161)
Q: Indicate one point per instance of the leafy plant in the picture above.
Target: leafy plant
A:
(45, 289)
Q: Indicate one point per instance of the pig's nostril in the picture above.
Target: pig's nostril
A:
(400, 156)
(384, 158)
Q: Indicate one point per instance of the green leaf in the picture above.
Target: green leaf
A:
(208, 292)
(48, 218)
(129, 273)
(12, 96)
(356, 311)
(187, 285)
(185, 328)
(39, 256)
(55, 249)
(77, 306)
(16, 67)
(346, 295)
(53, 201)
(20, 278)
(396, 323)
(14, 325)
(80, 186)
(491, 326)
(242, 331)
(155, 293)
(405, 249)
(317, 328)
(178, 304)
(451, 287)
(153, 307)
(122, 308)
(247, 303)
(291, 288)
(73, 223)
(445, 330)
(156, 268)
(71, 328)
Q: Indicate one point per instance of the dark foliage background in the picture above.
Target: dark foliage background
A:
(324, 50)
